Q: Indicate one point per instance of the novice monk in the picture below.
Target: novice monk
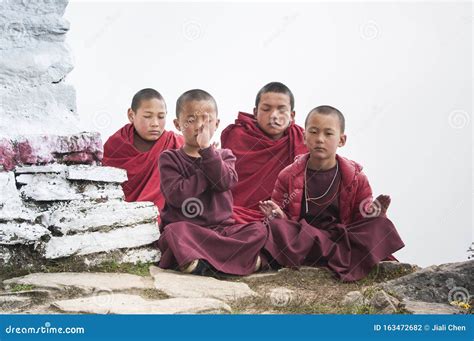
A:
(198, 234)
(321, 212)
(137, 146)
(264, 143)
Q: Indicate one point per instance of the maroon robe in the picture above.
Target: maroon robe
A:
(197, 217)
(143, 182)
(320, 239)
(259, 160)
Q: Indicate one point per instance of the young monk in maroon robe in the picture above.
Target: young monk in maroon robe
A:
(199, 235)
(322, 213)
(137, 146)
(264, 143)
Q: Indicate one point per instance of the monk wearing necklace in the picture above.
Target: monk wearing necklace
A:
(322, 212)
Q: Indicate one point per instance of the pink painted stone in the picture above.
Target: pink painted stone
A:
(83, 148)
(7, 154)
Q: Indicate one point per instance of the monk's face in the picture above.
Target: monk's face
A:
(323, 136)
(274, 114)
(149, 119)
(193, 116)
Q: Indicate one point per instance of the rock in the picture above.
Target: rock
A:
(24, 257)
(11, 206)
(82, 216)
(354, 298)
(176, 284)
(133, 304)
(33, 293)
(395, 269)
(13, 302)
(5, 256)
(45, 111)
(88, 243)
(96, 173)
(35, 149)
(36, 64)
(37, 7)
(141, 255)
(384, 303)
(281, 296)
(420, 307)
(54, 187)
(88, 282)
(262, 275)
(437, 283)
(20, 31)
(12, 233)
(34, 169)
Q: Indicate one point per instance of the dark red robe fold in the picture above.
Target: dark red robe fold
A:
(142, 167)
(259, 161)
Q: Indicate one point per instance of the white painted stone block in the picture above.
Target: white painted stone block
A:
(96, 173)
(83, 244)
(12, 233)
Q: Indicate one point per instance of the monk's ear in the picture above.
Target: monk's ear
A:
(131, 115)
(255, 111)
(217, 123)
(293, 115)
(342, 140)
(176, 124)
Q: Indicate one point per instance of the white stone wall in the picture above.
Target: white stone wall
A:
(35, 61)
(56, 201)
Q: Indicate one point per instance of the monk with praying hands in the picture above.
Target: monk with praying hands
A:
(322, 213)
(198, 234)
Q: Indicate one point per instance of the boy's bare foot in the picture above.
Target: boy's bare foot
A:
(383, 202)
(190, 267)
(258, 264)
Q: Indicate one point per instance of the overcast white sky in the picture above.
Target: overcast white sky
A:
(400, 72)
